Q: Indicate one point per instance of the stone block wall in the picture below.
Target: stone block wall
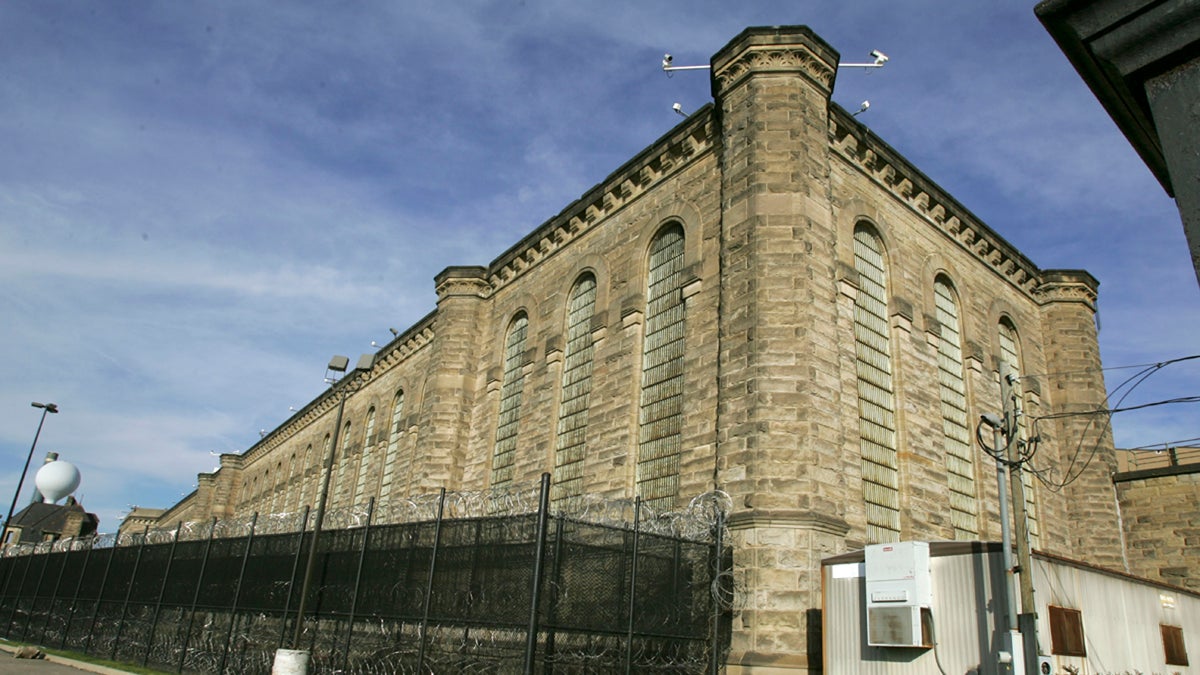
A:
(767, 185)
(1160, 518)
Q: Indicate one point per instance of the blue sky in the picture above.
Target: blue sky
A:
(201, 202)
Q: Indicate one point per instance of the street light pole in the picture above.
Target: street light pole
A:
(46, 408)
(294, 661)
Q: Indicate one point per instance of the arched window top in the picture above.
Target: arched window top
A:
(1009, 344)
(943, 281)
(585, 279)
(667, 242)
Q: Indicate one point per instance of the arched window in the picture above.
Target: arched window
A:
(277, 489)
(1010, 353)
(571, 440)
(307, 478)
(365, 466)
(389, 462)
(960, 463)
(876, 398)
(289, 498)
(326, 451)
(660, 414)
(343, 493)
(504, 453)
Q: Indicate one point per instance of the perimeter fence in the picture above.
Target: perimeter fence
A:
(492, 582)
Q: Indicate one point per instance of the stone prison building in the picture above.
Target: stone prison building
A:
(769, 301)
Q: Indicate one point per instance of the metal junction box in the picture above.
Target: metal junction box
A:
(899, 594)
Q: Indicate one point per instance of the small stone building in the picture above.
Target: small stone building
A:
(768, 301)
(42, 521)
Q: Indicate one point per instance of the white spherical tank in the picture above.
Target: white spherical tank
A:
(56, 480)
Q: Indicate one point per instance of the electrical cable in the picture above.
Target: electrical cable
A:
(1070, 474)
(933, 638)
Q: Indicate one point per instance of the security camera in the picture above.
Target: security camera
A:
(880, 57)
(679, 109)
(991, 420)
(667, 59)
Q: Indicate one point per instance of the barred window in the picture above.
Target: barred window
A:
(661, 409)
(306, 482)
(337, 492)
(389, 462)
(571, 439)
(504, 453)
(1010, 353)
(289, 498)
(365, 468)
(960, 463)
(876, 404)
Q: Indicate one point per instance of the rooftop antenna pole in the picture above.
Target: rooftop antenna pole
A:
(881, 59)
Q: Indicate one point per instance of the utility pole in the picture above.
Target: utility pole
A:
(1015, 456)
(1016, 648)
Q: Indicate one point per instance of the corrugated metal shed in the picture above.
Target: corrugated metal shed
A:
(1122, 617)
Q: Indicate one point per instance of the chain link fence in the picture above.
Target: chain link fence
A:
(446, 583)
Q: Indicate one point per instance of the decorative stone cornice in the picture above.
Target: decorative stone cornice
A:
(778, 49)
(682, 145)
(874, 158)
(1068, 286)
(461, 281)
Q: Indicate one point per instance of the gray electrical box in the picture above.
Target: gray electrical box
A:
(899, 594)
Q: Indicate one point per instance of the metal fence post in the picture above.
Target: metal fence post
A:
(137, 562)
(112, 553)
(237, 592)
(552, 612)
(17, 596)
(633, 574)
(36, 588)
(362, 554)
(54, 595)
(162, 589)
(287, 604)
(536, 586)
(719, 554)
(75, 596)
(433, 555)
(187, 635)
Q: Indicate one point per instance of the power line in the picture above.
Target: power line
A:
(1158, 447)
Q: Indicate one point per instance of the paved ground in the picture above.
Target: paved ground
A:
(51, 665)
(11, 666)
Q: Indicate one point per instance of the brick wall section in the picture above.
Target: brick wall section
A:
(1160, 515)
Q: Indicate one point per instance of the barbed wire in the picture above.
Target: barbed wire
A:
(696, 521)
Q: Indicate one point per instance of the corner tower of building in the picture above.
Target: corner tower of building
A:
(777, 421)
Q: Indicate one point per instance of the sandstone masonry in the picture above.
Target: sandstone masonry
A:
(765, 194)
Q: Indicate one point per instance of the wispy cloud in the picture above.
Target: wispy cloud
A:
(199, 203)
